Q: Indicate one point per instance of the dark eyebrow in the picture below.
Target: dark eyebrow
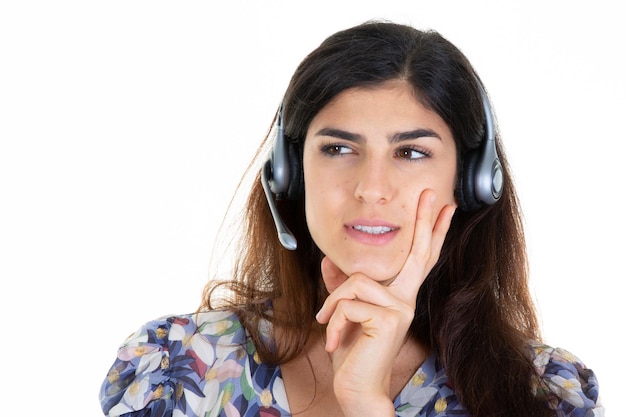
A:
(413, 134)
(396, 137)
(339, 134)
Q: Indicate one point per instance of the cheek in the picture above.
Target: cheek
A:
(445, 186)
(326, 202)
(316, 203)
(312, 211)
(321, 221)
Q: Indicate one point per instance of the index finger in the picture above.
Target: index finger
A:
(428, 237)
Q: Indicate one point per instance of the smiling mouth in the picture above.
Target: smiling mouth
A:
(373, 230)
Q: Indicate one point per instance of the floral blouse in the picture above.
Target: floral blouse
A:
(205, 364)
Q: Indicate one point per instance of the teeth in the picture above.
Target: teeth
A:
(374, 230)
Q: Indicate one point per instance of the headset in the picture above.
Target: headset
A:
(480, 183)
(282, 175)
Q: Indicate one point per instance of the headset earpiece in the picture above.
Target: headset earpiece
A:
(282, 176)
(278, 176)
(286, 179)
(295, 190)
(482, 180)
(465, 187)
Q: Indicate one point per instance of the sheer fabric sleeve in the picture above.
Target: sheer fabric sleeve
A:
(200, 364)
(570, 388)
(139, 377)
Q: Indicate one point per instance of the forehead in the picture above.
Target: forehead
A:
(393, 91)
(380, 110)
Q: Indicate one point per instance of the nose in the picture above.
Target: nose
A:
(374, 184)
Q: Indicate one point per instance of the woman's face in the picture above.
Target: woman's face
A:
(368, 155)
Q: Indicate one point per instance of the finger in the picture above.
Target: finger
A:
(439, 234)
(426, 247)
(375, 322)
(331, 274)
(338, 322)
(357, 287)
(412, 274)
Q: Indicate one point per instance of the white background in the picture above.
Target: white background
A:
(126, 125)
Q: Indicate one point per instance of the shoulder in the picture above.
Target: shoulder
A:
(181, 362)
(170, 327)
(565, 382)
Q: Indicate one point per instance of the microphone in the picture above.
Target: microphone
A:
(286, 238)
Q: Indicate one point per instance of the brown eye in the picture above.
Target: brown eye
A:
(335, 150)
(411, 154)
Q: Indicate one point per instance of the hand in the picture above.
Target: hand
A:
(368, 322)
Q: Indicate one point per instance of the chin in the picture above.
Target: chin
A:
(381, 271)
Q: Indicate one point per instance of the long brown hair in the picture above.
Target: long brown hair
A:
(474, 310)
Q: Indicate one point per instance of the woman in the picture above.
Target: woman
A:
(400, 283)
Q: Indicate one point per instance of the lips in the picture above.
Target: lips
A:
(371, 232)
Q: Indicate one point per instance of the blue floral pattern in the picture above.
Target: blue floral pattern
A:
(204, 364)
